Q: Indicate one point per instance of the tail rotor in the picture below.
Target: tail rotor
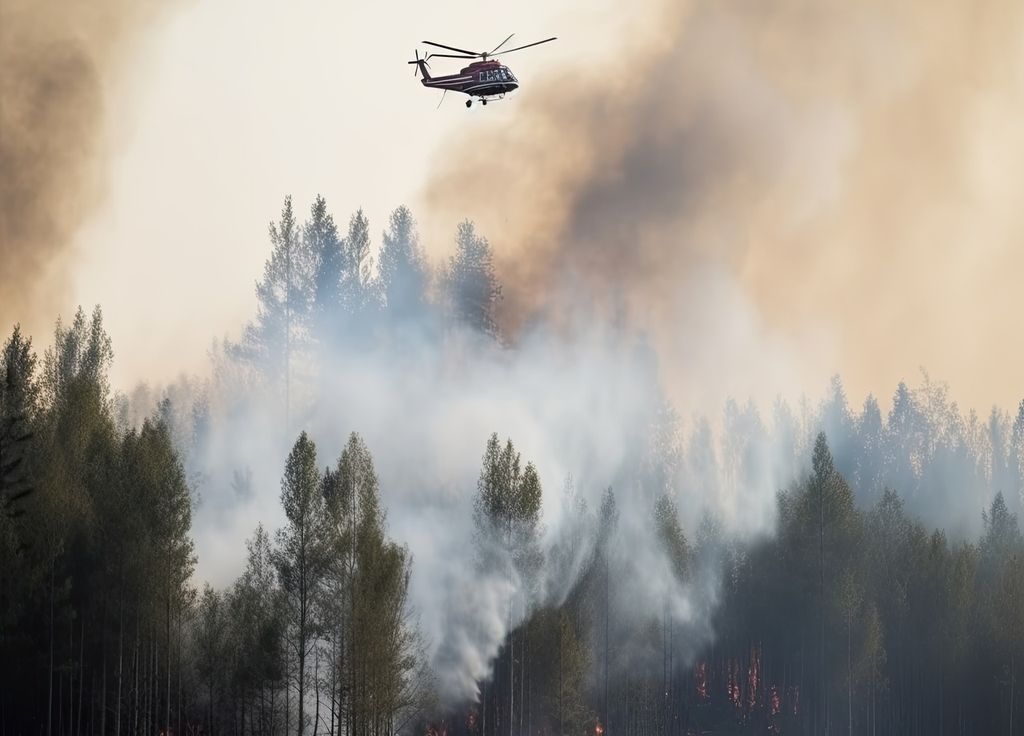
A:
(421, 65)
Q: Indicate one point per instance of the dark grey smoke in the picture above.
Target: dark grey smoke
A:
(811, 153)
(57, 62)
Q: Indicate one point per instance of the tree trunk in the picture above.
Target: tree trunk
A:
(103, 689)
(167, 647)
(522, 669)
(273, 710)
(153, 710)
(352, 660)
(81, 675)
(607, 613)
(872, 705)
(263, 707)
(664, 669)
(147, 685)
(334, 681)
(316, 689)
(49, 696)
(92, 703)
(302, 681)
(849, 670)
(71, 676)
(135, 673)
(511, 672)
(561, 712)
(1012, 683)
(287, 692)
(60, 701)
(821, 601)
(178, 732)
(120, 663)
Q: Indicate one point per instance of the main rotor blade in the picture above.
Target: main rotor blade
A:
(451, 48)
(535, 43)
(501, 44)
(451, 56)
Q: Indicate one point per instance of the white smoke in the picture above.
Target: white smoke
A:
(581, 399)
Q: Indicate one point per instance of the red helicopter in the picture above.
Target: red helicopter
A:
(487, 79)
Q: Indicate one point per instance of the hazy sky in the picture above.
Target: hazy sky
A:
(794, 190)
(231, 105)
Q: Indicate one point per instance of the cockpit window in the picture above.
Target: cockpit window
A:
(497, 75)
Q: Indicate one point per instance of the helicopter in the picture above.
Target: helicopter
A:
(486, 79)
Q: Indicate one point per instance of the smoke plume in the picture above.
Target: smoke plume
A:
(845, 170)
(57, 60)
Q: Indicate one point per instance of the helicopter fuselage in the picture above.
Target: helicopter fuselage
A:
(482, 79)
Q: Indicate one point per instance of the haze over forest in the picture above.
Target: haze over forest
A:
(566, 448)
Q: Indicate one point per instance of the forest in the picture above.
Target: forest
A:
(882, 593)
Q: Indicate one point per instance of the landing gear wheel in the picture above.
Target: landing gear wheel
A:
(483, 102)
(469, 103)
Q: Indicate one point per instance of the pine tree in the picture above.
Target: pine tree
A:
(300, 557)
(19, 403)
(78, 360)
(404, 273)
(904, 454)
(1015, 488)
(255, 613)
(607, 525)
(671, 536)
(382, 668)
(210, 639)
(157, 476)
(77, 441)
(326, 252)
(870, 463)
(506, 514)
(471, 285)
(359, 292)
(284, 297)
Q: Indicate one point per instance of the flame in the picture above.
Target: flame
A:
(733, 686)
(753, 676)
(437, 729)
(700, 676)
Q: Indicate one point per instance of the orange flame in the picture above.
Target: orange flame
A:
(753, 676)
(700, 676)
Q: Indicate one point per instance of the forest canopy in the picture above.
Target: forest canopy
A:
(830, 568)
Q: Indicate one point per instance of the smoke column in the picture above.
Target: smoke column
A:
(845, 173)
(56, 62)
